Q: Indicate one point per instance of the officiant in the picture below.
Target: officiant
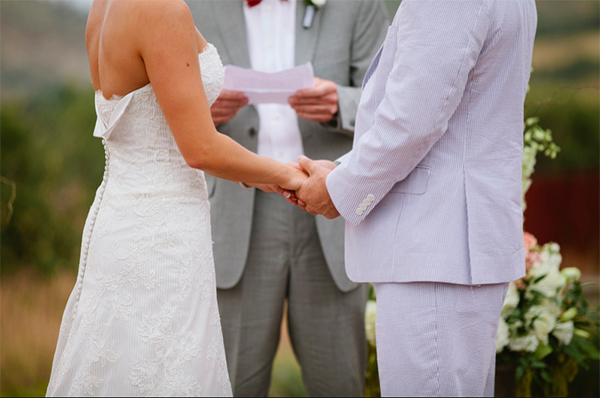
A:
(266, 251)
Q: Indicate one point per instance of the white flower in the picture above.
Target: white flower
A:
(550, 284)
(564, 332)
(542, 326)
(502, 336)
(370, 315)
(511, 301)
(571, 273)
(318, 3)
(523, 343)
(550, 257)
(554, 248)
(543, 319)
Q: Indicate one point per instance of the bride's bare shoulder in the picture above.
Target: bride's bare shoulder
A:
(165, 10)
(160, 19)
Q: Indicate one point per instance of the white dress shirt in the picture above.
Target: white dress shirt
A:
(271, 33)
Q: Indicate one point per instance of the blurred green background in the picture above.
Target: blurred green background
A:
(51, 166)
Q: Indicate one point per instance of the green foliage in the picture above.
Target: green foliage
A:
(539, 139)
(48, 152)
(535, 140)
(558, 18)
(372, 388)
(573, 114)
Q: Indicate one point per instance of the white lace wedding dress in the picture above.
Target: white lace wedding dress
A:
(143, 316)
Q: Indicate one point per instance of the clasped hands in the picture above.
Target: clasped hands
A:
(310, 191)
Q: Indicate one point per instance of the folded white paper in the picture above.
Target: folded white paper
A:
(268, 88)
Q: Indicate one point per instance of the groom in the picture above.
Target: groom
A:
(431, 191)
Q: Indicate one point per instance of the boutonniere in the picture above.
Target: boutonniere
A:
(309, 14)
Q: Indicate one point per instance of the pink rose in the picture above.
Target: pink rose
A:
(529, 240)
(531, 257)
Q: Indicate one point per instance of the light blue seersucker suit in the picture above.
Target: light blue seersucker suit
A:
(431, 191)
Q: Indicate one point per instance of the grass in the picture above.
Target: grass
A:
(31, 309)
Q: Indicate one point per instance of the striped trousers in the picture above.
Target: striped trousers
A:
(437, 339)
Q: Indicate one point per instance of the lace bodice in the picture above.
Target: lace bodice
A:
(144, 158)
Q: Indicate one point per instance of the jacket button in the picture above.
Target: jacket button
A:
(370, 197)
(252, 132)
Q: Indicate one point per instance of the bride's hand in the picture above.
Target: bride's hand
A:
(295, 177)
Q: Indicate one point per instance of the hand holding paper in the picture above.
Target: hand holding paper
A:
(268, 88)
(227, 106)
(318, 103)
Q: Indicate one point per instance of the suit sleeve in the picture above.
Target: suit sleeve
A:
(369, 32)
(436, 45)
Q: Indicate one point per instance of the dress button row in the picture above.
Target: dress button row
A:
(88, 240)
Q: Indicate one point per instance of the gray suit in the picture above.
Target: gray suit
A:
(341, 43)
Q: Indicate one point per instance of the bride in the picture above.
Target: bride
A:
(143, 318)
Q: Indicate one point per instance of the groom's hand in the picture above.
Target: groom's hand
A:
(313, 195)
(227, 106)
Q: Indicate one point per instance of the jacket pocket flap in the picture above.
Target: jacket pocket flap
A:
(415, 183)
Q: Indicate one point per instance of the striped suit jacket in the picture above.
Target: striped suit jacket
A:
(431, 190)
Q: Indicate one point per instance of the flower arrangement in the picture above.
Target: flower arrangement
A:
(541, 329)
(543, 320)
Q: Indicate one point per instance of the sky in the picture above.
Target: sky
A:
(80, 5)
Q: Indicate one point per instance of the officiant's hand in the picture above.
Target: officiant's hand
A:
(313, 195)
(227, 106)
(318, 103)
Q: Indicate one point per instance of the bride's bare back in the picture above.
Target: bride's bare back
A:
(116, 35)
(135, 42)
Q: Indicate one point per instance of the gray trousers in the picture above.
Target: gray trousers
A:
(437, 339)
(326, 326)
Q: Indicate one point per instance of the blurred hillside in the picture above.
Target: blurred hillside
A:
(43, 46)
(43, 43)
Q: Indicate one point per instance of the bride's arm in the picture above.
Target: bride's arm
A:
(168, 45)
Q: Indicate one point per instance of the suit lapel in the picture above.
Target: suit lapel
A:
(232, 29)
(306, 39)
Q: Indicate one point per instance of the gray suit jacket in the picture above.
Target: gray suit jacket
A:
(341, 43)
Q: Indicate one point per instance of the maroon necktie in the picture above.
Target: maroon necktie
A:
(252, 3)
